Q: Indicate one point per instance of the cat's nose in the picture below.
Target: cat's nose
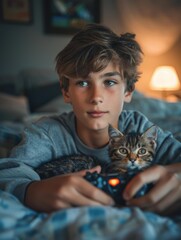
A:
(132, 160)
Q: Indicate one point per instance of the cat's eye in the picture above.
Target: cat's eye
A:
(123, 151)
(142, 151)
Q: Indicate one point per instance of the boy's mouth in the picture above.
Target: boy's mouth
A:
(97, 114)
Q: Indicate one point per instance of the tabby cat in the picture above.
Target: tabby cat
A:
(127, 152)
(131, 151)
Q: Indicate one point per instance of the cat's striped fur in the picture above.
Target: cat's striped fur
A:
(127, 152)
(131, 151)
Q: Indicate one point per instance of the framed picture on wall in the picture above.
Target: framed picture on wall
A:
(16, 11)
(69, 16)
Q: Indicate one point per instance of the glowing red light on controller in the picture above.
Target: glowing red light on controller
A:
(114, 181)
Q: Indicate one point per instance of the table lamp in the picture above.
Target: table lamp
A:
(165, 79)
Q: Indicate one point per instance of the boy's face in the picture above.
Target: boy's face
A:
(98, 99)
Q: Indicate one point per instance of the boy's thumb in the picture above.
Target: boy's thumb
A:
(94, 169)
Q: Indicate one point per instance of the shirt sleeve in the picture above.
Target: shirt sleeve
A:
(17, 171)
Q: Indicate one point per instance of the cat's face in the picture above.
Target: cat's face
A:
(132, 151)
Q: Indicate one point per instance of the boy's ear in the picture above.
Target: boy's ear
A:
(66, 96)
(128, 96)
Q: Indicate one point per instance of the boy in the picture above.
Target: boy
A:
(97, 72)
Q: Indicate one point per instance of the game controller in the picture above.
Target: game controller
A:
(114, 184)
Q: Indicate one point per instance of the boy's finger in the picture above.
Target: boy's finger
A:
(94, 169)
(153, 174)
(94, 194)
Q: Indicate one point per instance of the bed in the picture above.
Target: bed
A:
(86, 223)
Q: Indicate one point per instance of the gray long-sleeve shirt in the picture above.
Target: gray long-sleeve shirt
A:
(54, 137)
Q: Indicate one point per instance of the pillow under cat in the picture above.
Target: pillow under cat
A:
(127, 152)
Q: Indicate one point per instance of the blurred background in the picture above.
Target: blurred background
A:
(32, 44)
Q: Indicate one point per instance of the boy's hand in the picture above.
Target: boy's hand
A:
(163, 198)
(65, 191)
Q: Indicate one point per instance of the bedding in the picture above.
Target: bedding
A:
(83, 223)
(86, 223)
(166, 115)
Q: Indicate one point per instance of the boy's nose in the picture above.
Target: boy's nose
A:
(96, 96)
(96, 101)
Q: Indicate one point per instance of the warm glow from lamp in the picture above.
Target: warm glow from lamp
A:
(165, 78)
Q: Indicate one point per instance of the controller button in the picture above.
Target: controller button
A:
(114, 182)
(99, 182)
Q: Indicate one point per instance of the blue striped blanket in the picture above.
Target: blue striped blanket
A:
(83, 223)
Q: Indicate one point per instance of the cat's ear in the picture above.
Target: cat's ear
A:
(113, 132)
(151, 135)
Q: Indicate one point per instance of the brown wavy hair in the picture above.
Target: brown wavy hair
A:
(92, 48)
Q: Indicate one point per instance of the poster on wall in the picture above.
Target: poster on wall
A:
(69, 16)
(16, 11)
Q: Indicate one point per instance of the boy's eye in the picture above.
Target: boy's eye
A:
(109, 83)
(82, 83)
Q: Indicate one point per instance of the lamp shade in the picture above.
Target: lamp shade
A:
(165, 78)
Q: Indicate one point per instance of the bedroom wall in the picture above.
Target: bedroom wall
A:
(158, 30)
(27, 46)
